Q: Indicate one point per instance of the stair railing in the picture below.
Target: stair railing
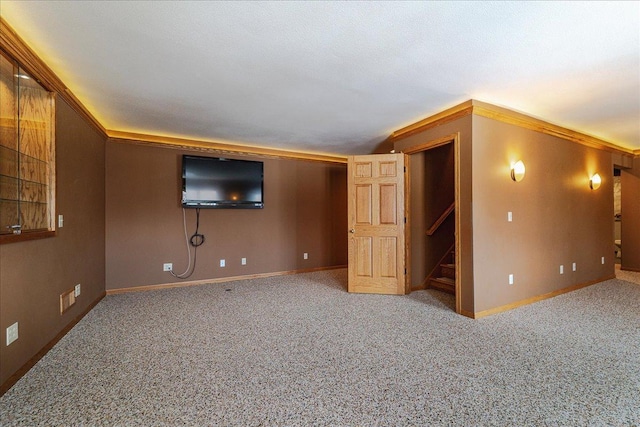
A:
(441, 219)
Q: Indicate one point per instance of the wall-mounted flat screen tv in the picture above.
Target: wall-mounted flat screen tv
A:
(211, 182)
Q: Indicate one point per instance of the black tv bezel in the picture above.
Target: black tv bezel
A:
(222, 204)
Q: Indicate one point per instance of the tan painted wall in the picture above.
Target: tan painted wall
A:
(34, 273)
(305, 211)
(630, 224)
(557, 218)
(463, 127)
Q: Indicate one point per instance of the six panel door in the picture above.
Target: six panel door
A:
(376, 209)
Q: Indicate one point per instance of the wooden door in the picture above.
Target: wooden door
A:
(376, 209)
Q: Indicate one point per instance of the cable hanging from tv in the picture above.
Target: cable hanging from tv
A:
(195, 240)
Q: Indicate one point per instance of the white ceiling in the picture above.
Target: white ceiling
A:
(337, 77)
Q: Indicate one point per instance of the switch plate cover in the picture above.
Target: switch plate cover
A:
(12, 333)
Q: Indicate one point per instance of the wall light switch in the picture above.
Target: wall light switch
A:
(511, 279)
(12, 333)
(77, 290)
(222, 263)
(510, 216)
(305, 256)
(60, 221)
(243, 261)
(562, 269)
(602, 260)
(574, 267)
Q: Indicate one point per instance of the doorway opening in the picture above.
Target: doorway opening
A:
(434, 226)
(617, 216)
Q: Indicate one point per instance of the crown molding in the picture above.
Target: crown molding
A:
(446, 116)
(522, 120)
(505, 115)
(13, 45)
(219, 147)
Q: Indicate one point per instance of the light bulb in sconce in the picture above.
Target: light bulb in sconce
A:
(595, 181)
(517, 171)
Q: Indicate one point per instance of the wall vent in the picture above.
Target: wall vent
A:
(67, 299)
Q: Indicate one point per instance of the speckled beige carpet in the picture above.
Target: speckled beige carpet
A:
(299, 350)
(629, 276)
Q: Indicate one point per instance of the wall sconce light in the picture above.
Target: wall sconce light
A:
(517, 171)
(595, 181)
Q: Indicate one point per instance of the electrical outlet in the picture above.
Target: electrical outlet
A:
(510, 216)
(602, 260)
(305, 256)
(574, 266)
(243, 261)
(222, 263)
(60, 221)
(167, 266)
(562, 269)
(12, 333)
(76, 290)
(511, 279)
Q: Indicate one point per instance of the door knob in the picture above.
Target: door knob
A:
(353, 230)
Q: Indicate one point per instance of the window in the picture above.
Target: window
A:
(27, 160)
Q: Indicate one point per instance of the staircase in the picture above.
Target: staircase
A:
(444, 276)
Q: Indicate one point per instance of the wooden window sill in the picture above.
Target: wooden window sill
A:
(27, 235)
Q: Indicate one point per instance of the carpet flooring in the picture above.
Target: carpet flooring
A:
(299, 350)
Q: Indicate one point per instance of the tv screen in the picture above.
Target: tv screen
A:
(211, 182)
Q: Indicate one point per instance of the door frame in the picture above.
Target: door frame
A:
(455, 139)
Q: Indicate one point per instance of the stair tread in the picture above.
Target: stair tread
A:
(443, 284)
(447, 265)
